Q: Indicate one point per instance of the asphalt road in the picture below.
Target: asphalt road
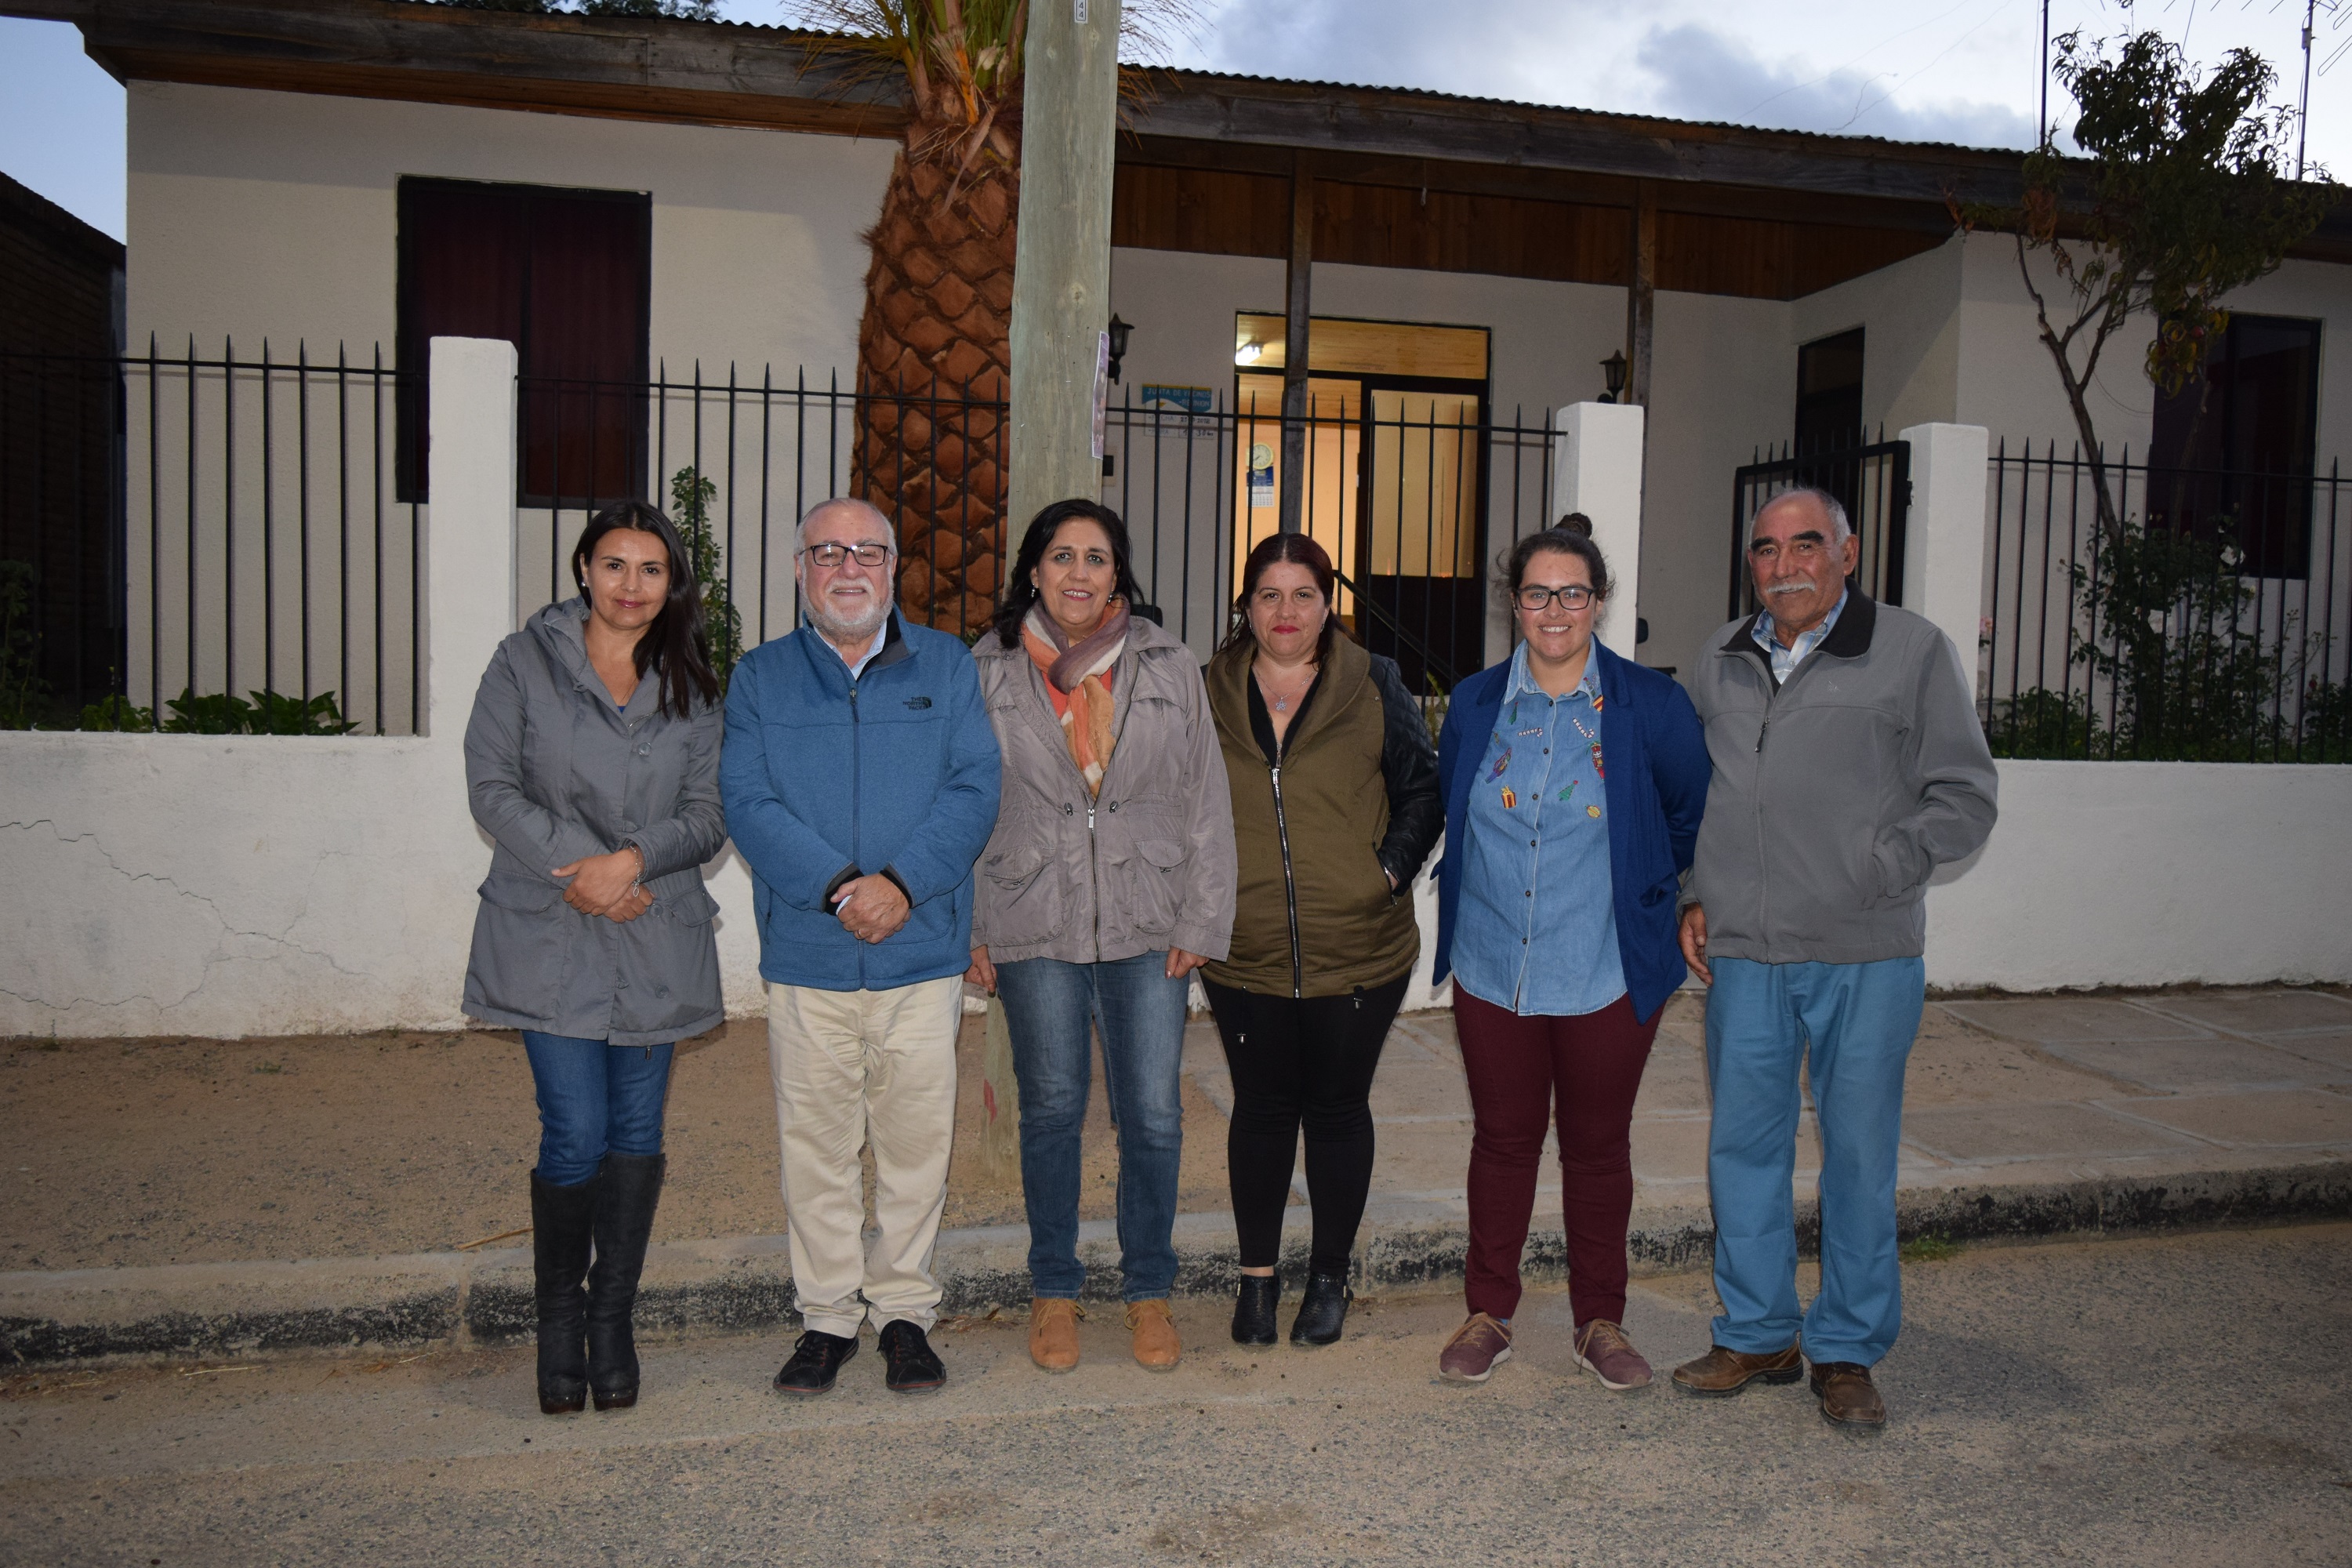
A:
(2187, 1400)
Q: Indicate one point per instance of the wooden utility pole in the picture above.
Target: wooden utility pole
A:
(1061, 270)
(1061, 308)
(1641, 293)
(1297, 306)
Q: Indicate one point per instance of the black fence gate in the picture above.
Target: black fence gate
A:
(1872, 481)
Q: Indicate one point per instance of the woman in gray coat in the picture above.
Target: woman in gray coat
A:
(592, 760)
(1109, 878)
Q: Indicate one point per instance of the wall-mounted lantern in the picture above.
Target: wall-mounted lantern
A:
(1613, 369)
(1119, 334)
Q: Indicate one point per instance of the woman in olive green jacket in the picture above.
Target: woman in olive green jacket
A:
(1335, 808)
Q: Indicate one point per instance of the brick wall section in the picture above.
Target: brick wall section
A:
(59, 280)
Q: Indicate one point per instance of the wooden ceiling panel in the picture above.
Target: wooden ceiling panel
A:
(1216, 212)
(1229, 212)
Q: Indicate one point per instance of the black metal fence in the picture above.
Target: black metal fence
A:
(1872, 479)
(211, 544)
(233, 543)
(2207, 617)
(1412, 509)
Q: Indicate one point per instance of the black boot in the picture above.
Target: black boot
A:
(561, 1219)
(1322, 1310)
(1253, 1310)
(625, 1219)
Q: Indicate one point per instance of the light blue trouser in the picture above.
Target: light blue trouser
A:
(1858, 1020)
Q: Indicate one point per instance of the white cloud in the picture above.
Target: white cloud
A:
(1703, 75)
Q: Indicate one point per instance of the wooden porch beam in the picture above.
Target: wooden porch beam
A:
(1298, 304)
(1640, 295)
(1539, 184)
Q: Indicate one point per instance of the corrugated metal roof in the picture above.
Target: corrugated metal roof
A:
(1208, 81)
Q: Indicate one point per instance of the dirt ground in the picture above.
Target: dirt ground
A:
(137, 1152)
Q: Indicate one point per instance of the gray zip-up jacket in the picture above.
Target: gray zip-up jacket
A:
(1146, 865)
(554, 772)
(1835, 795)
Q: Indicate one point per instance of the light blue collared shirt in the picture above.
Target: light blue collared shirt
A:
(1538, 920)
(858, 666)
(1785, 659)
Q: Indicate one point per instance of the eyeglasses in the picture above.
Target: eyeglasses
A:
(1575, 596)
(832, 555)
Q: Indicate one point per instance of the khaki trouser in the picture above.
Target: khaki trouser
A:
(874, 1067)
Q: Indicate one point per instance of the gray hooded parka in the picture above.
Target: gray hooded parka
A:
(555, 772)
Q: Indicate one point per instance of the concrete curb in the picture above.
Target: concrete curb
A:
(214, 1309)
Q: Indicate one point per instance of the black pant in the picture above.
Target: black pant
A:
(1302, 1061)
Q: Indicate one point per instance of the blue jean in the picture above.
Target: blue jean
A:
(1852, 1025)
(1140, 1013)
(595, 1099)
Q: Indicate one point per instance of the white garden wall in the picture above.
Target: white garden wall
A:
(186, 885)
(2152, 874)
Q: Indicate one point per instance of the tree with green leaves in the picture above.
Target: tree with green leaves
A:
(2186, 197)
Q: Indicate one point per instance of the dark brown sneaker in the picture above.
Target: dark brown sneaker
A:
(1477, 1349)
(1848, 1397)
(1721, 1371)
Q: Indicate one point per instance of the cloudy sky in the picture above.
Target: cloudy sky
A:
(1944, 71)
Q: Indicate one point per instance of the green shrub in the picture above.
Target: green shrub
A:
(722, 627)
(270, 713)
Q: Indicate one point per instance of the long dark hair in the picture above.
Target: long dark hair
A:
(1020, 592)
(674, 646)
(1301, 551)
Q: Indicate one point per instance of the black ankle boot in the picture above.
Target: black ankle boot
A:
(1322, 1310)
(1253, 1310)
(625, 1219)
(561, 1220)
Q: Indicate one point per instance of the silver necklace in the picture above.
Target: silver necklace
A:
(1282, 704)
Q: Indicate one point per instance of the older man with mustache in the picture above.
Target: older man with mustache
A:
(860, 780)
(1848, 764)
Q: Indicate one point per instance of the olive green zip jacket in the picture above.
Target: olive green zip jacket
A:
(1354, 799)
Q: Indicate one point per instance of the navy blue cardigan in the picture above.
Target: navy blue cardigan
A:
(1656, 755)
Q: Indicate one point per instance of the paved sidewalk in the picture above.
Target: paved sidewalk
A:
(194, 1197)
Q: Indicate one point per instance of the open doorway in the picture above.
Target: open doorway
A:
(1396, 468)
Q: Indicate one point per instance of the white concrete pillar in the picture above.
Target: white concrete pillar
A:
(1597, 471)
(1943, 540)
(469, 524)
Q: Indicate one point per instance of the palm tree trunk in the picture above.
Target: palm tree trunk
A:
(934, 365)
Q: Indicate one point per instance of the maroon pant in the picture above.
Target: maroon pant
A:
(1519, 1069)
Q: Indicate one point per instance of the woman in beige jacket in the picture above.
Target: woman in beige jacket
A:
(1108, 880)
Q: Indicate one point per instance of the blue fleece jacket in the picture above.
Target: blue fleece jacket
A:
(1656, 789)
(824, 778)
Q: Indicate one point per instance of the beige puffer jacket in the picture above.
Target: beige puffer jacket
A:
(1146, 867)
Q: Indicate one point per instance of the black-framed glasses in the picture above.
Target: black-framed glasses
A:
(1575, 596)
(832, 555)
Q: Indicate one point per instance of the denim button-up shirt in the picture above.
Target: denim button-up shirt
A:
(1538, 920)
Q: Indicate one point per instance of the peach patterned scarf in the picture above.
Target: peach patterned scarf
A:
(1078, 678)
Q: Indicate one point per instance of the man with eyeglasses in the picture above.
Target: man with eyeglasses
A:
(1847, 765)
(860, 777)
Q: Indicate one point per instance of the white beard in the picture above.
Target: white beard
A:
(836, 630)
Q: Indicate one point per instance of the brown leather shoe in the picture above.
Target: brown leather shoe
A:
(1155, 1346)
(1054, 1333)
(1721, 1371)
(1848, 1397)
